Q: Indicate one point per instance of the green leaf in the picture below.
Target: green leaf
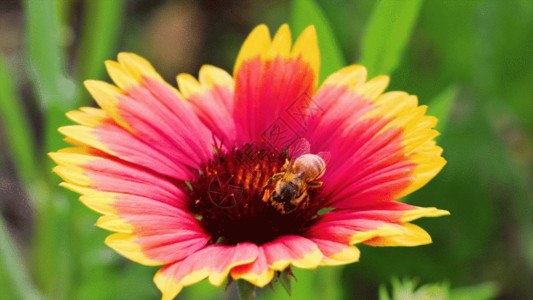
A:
(407, 289)
(304, 287)
(98, 39)
(383, 294)
(205, 290)
(484, 291)
(387, 33)
(246, 290)
(55, 92)
(324, 210)
(98, 42)
(441, 105)
(308, 12)
(16, 127)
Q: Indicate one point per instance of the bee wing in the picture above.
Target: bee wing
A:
(326, 156)
(299, 148)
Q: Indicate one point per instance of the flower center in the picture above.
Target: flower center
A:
(239, 198)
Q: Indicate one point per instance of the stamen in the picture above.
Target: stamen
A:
(228, 195)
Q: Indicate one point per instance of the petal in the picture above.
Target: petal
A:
(153, 111)
(257, 272)
(384, 224)
(277, 256)
(306, 48)
(273, 84)
(296, 250)
(214, 262)
(281, 43)
(381, 146)
(395, 212)
(419, 212)
(131, 70)
(342, 228)
(117, 142)
(212, 100)
(128, 248)
(157, 248)
(150, 232)
(410, 236)
(257, 44)
(336, 253)
(94, 171)
(148, 212)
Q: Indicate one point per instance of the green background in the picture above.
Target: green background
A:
(470, 61)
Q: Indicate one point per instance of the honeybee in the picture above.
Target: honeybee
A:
(290, 190)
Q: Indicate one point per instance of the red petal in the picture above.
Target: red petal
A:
(214, 261)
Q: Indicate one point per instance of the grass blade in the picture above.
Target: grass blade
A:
(330, 280)
(441, 105)
(12, 263)
(307, 12)
(53, 88)
(387, 33)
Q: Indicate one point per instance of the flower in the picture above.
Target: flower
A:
(245, 176)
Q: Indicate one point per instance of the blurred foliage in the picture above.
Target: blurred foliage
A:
(19, 138)
(97, 39)
(307, 12)
(387, 33)
(407, 289)
(470, 61)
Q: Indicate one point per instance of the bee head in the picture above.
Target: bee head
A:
(285, 193)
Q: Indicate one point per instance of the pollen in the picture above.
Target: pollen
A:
(228, 197)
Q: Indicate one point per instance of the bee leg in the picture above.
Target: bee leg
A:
(266, 195)
(315, 184)
(278, 175)
(274, 177)
(301, 202)
(286, 165)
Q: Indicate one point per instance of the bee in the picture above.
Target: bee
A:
(291, 189)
